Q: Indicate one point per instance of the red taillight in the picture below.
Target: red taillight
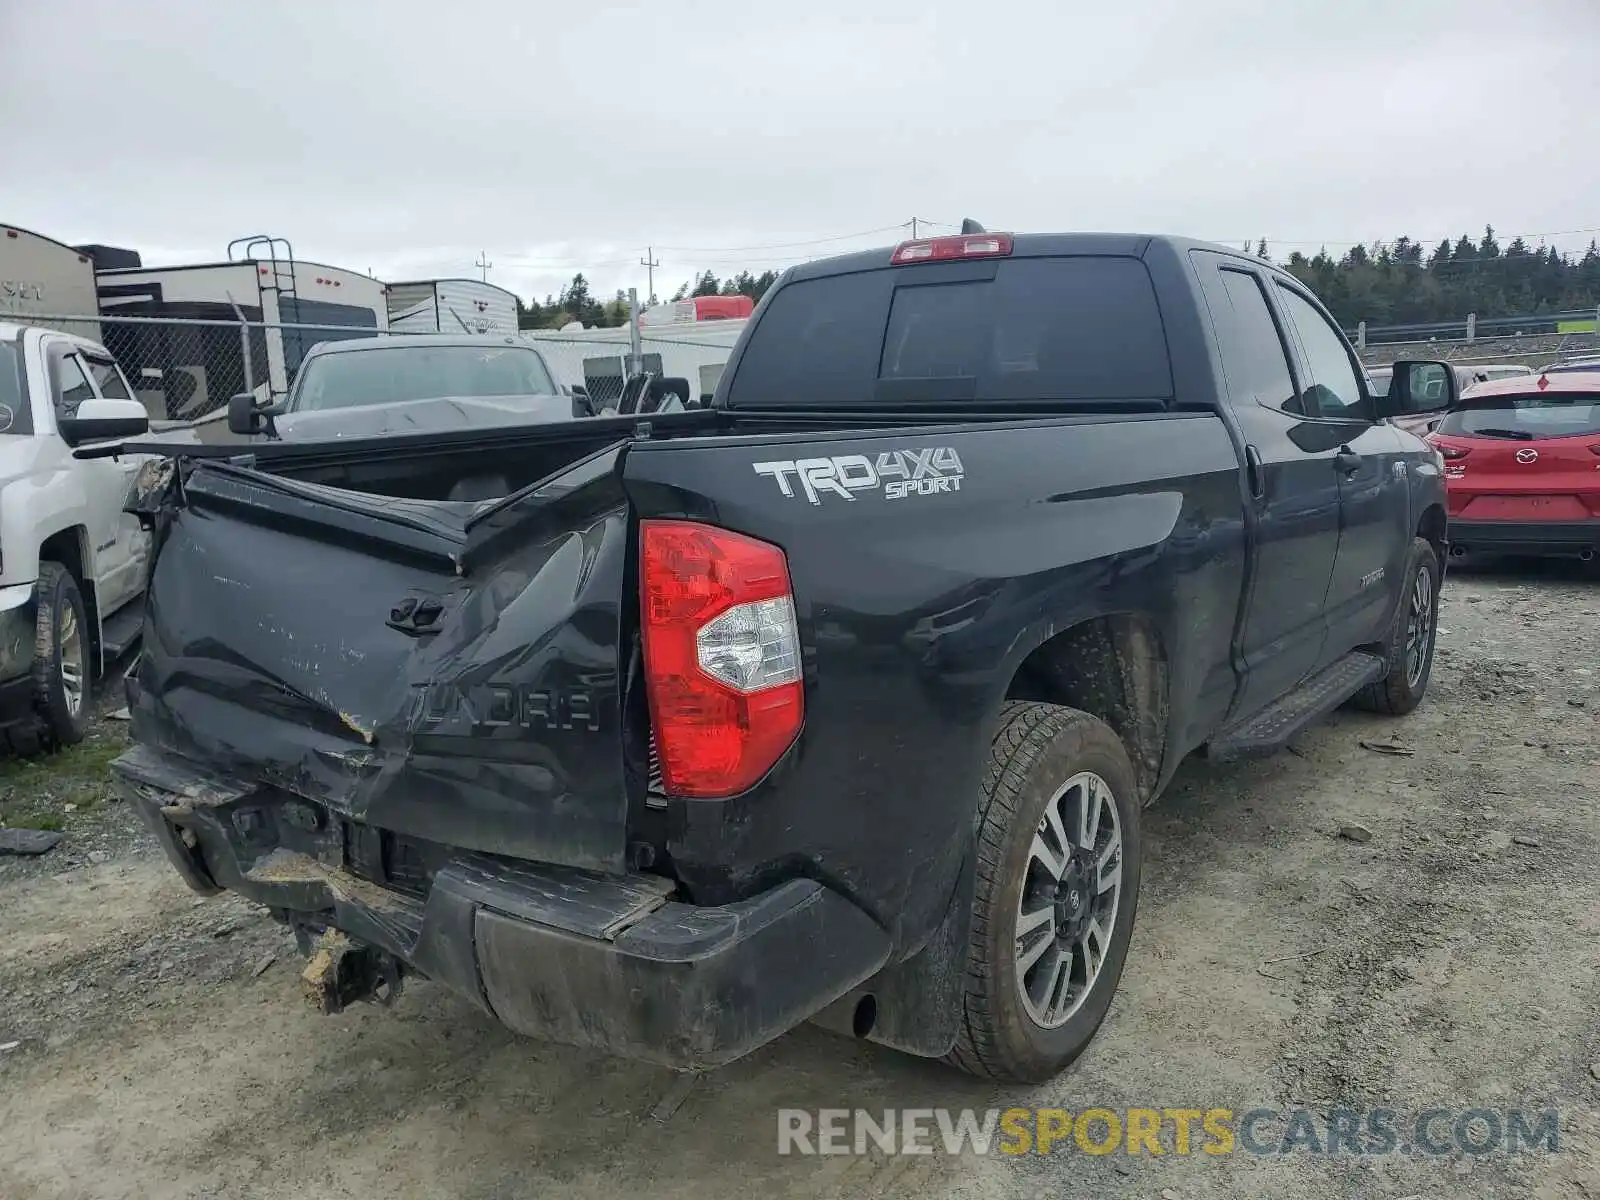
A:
(721, 656)
(943, 249)
(1446, 450)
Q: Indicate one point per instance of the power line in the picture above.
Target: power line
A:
(555, 264)
(650, 251)
(840, 237)
(744, 252)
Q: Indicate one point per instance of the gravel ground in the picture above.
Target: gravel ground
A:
(1449, 961)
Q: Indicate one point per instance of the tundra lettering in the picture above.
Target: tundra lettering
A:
(454, 707)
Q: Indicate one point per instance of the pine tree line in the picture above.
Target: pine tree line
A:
(1399, 282)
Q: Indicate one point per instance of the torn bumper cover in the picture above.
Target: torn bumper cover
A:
(608, 962)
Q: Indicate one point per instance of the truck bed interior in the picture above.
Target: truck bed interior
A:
(469, 467)
(449, 475)
(474, 466)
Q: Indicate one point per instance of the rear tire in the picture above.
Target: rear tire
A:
(1409, 646)
(63, 693)
(1032, 1004)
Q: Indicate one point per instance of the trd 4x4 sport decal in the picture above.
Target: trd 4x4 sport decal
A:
(895, 473)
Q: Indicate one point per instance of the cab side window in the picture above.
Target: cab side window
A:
(69, 385)
(1332, 387)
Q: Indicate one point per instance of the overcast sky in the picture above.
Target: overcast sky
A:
(406, 136)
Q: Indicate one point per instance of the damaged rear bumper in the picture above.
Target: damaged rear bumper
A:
(608, 962)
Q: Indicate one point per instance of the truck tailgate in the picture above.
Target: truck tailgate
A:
(446, 672)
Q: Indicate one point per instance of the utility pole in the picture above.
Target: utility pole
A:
(913, 229)
(650, 263)
(635, 350)
(483, 264)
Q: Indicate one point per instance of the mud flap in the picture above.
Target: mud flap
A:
(914, 1005)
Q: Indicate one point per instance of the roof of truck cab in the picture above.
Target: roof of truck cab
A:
(392, 340)
(1037, 245)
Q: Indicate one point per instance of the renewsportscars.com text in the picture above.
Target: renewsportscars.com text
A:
(1162, 1131)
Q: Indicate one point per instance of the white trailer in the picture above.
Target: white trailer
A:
(598, 358)
(39, 275)
(451, 306)
(185, 370)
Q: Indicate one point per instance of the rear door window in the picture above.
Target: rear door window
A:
(1076, 329)
(1253, 354)
(1333, 391)
(1523, 418)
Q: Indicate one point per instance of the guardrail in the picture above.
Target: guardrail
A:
(1471, 327)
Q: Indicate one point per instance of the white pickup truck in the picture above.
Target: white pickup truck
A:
(72, 563)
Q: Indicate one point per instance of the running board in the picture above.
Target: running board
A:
(1272, 728)
(120, 632)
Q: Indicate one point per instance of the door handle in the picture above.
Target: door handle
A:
(1253, 472)
(1347, 461)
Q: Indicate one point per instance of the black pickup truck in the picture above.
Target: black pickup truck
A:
(837, 699)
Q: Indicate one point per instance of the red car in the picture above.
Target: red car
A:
(1522, 466)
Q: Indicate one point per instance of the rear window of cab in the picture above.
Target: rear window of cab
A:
(1021, 330)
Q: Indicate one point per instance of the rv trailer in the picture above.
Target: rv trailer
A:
(191, 367)
(39, 275)
(451, 306)
(598, 358)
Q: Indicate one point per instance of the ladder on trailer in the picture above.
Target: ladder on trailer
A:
(275, 278)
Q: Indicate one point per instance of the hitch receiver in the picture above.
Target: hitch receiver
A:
(342, 972)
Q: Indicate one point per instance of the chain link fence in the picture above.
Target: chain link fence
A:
(187, 370)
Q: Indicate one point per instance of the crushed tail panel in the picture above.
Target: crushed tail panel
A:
(359, 662)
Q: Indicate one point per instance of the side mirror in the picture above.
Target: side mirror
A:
(1417, 387)
(582, 406)
(246, 416)
(100, 420)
